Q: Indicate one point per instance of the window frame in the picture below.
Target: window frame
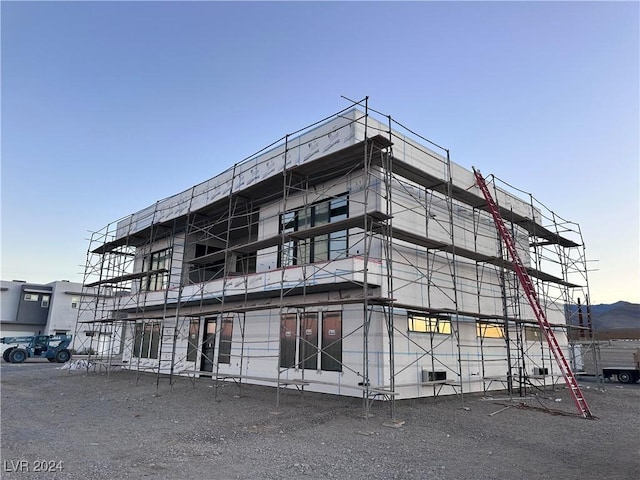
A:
(435, 325)
(158, 260)
(147, 340)
(321, 350)
(225, 340)
(320, 248)
(193, 343)
(489, 330)
(532, 334)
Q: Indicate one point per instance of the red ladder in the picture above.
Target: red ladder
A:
(527, 286)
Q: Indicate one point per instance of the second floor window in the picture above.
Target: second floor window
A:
(329, 246)
(160, 260)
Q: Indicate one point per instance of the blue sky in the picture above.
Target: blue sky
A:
(110, 106)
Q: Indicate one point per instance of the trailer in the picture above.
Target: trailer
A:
(625, 374)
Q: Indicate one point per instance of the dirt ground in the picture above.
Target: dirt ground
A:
(79, 425)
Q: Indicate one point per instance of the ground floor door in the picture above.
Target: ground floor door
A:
(208, 344)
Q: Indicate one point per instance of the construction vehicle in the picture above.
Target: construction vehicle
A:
(52, 347)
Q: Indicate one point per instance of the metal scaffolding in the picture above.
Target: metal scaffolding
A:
(250, 275)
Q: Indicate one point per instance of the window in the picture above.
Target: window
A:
(75, 301)
(532, 334)
(422, 324)
(246, 263)
(309, 341)
(304, 349)
(159, 280)
(489, 330)
(320, 248)
(287, 255)
(226, 335)
(331, 359)
(45, 301)
(137, 339)
(31, 297)
(205, 272)
(146, 340)
(192, 346)
(288, 340)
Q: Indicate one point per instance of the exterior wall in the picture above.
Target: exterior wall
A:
(482, 358)
(10, 293)
(259, 357)
(63, 314)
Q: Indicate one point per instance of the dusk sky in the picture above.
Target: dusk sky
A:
(108, 107)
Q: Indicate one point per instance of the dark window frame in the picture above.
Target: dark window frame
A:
(300, 353)
(147, 340)
(158, 260)
(193, 344)
(307, 251)
(225, 340)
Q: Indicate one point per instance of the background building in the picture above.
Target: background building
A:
(50, 309)
(39, 309)
(350, 258)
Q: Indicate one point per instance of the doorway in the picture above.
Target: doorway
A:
(208, 344)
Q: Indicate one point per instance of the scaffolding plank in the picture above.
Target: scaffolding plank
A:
(472, 255)
(209, 258)
(476, 201)
(126, 277)
(348, 158)
(251, 247)
(417, 239)
(238, 304)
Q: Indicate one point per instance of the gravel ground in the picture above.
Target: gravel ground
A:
(90, 426)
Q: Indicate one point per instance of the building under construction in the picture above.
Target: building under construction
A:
(352, 257)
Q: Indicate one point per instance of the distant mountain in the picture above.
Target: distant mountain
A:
(620, 315)
(615, 320)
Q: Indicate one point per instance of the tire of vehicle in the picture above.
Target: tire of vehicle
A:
(18, 355)
(6, 353)
(62, 355)
(625, 377)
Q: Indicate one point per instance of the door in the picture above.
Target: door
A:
(208, 344)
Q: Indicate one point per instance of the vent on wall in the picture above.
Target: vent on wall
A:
(540, 371)
(431, 376)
